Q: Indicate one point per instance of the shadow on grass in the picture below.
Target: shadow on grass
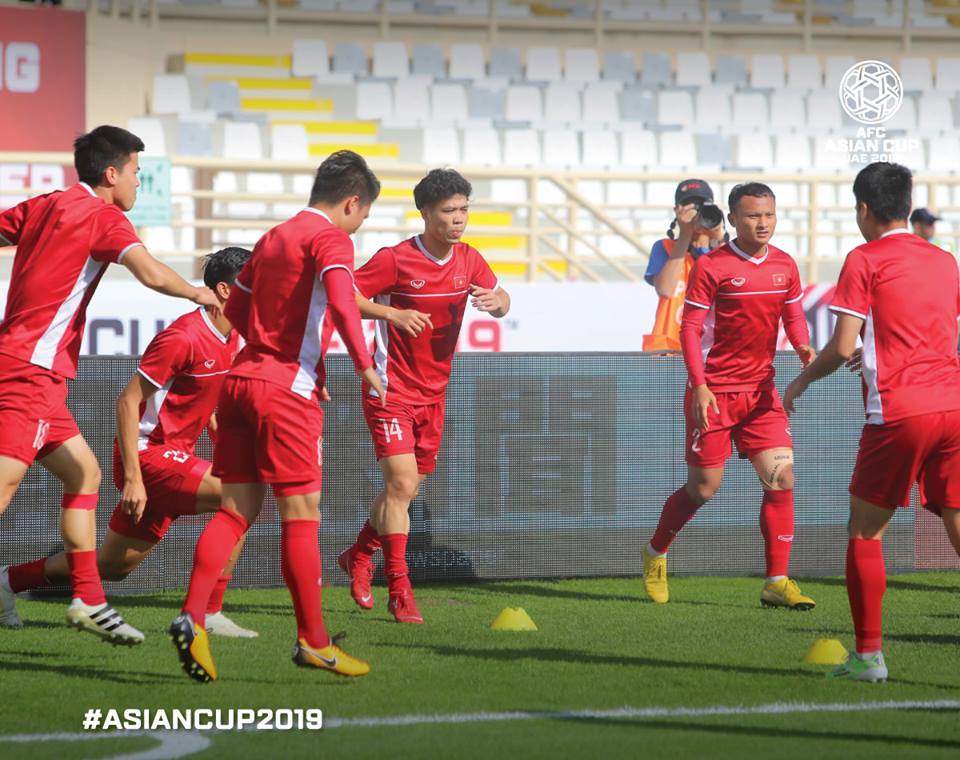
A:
(77, 671)
(895, 584)
(780, 732)
(528, 589)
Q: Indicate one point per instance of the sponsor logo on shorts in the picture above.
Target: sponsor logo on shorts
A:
(785, 537)
(695, 445)
(738, 281)
(788, 431)
(320, 450)
(43, 429)
(417, 283)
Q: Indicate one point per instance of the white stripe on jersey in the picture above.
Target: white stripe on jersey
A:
(874, 405)
(751, 292)
(45, 351)
(306, 380)
(382, 355)
(151, 413)
(706, 340)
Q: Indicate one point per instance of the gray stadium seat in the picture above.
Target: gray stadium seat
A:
(657, 70)
(349, 58)
(193, 139)
(486, 104)
(428, 61)
(505, 62)
(223, 97)
(730, 69)
(714, 150)
(638, 104)
(619, 67)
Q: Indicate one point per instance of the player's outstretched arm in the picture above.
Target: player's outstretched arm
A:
(158, 276)
(134, 496)
(338, 282)
(410, 321)
(798, 332)
(837, 352)
(496, 303)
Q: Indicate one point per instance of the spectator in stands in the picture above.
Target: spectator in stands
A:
(699, 228)
(924, 223)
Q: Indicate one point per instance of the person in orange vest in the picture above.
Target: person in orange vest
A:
(699, 225)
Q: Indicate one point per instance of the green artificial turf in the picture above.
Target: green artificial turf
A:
(600, 646)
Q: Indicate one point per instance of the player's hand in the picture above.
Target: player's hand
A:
(324, 394)
(484, 299)
(371, 378)
(807, 354)
(703, 402)
(411, 321)
(205, 297)
(855, 362)
(134, 499)
(794, 391)
(686, 216)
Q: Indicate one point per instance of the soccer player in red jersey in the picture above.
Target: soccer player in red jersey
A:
(420, 290)
(160, 415)
(898, 293)
(297, 287)
(735, 300)
(65, 241)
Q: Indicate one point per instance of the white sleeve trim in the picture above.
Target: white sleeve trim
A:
(242, 287)
(148, 378)
(794, 300)
(851, 312)
(4, 241)
(127, 249)
(694, 303)
(337, 266)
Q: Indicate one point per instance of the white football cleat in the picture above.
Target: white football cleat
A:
(8, 602)
(103, 621)
(220, 625)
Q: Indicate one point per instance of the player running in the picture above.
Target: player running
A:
(65, 241)
(287, 300)
(421, 288)
(899, 293)
(736, 298)
(160, 415)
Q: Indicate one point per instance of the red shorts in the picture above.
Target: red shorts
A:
(755, 420)
(33, 411)
(268, 434)
(400, 428)
(892, 457)
(172, 479)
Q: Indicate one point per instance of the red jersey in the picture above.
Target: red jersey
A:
(745, 297)
(407, 276)
(907, 291)
(287, 324)
(188, 362)
(65, 240)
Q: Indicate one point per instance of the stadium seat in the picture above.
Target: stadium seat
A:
(826, 157)
(787, 110)
(481, 147)
(390, 60)
(678, 150)
(675, 107)
(916, 74)
(349, 58)
(310, 58)
(193, 139)
(151, 130)
(581, 65)
(906, 115)
(441, 147)
(524, 103)
(562, 103)
(486, 104)
(428, 61)
(714, 151)
(544, 65)
(713, 108)
(693, 69)
(601, 105)
(837, 66)
(753, 152)
(374, 100)
(223, 97)
(730, 69)
(561, 148)
(804, 72)
(288, 142)
(619, 66)
(411, 101)
(935, 113)
(449, 103)
(638, 149)
(467, 61)
(505, 62)
(792, 152)
(750, 111)
(657, 70)
(171, 94)
(766, 71)
(638, 104)
(823, 111)
(601, 149)
(948, 74)
(521, 147)
(242, 140)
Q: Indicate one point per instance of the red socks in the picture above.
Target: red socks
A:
(395, 560)
(367, 543)
(216, 598)
(302, 572)
(677, 512)
(27, 576)
(85, 578)
(209, 558)
(776, 524)
(866, 584)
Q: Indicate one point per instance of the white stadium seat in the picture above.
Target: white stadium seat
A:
(411, 101)
(675, 107)
(481, 147)
(467, 61)
(766, 71)
(638, 148)
(562, 103)
(693, 69)
(521, 147)
(390, 60)
(750, 110)
(601, 105)
(171, 94)
(288, 142)
(449, 103)
(544, 65)
(804, 72)
(600, 149)
(561, 148)
(524, 103)
(441, 147)
(916, 74)
(374, 100)
(310, 58)
(151, 131)
(581, 65)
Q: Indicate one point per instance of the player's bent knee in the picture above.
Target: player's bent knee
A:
(784, 479)
(702, 492)
(403, 487)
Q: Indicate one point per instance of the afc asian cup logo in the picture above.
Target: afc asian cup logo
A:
(871, 92)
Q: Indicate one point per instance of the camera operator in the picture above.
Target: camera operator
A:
(699, 228)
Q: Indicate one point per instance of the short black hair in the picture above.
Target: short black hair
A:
(438, 185)
(753, 189)
(886, 189)
(101, 148)
(342, 175)
(224, 265)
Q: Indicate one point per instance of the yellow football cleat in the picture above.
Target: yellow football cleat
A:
(330, 657)
(655, 577)
(193, 648)
(785, 593)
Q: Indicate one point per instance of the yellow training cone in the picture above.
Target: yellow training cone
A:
(826, 652)
(513, 619)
